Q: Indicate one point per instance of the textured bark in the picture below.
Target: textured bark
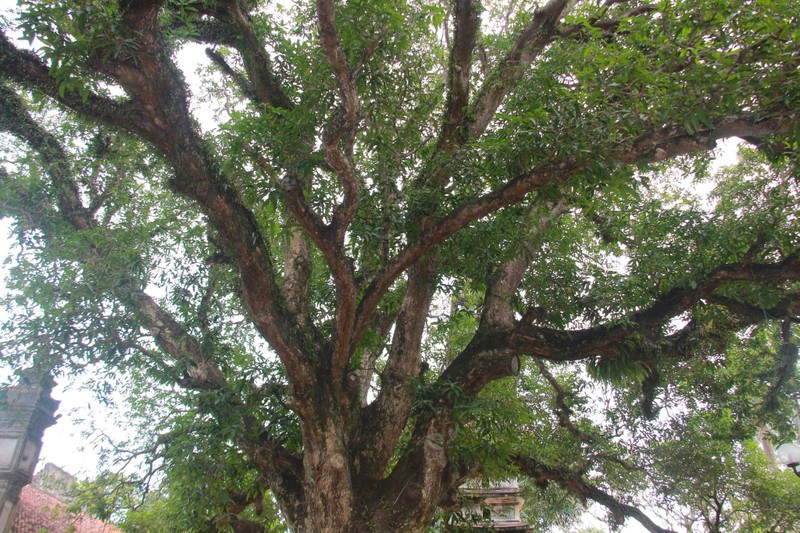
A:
(296, 273)
(386, 417)
(454, 131)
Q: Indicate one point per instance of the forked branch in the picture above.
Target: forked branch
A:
(504, 282)
(668, 142)
(28, 69)
(158, 112)
(537, 34)
(339, 134)
(338, 138)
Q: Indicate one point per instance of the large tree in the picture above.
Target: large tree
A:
(419, 243)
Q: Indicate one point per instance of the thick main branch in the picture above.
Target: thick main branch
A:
(158, 112)
(466, 30)
(557, 345)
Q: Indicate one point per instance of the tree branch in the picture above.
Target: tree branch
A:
(575, 484)
(238, 79)
(381, 325)
(158, 86)
(493, 353)
(467, 21)
(297, 273)
(297, 259)
(537, 34)
(210, 31)
(160, 115)
(574, 345)
(504, 282)
(263, 84)
(460, 217)
(329, 239)
(384, 420)
(342, 128)
(27, 69)
(562, 411)
(15, 119)
(607, 26)
(787, 309)
(170, 335)
(337, 139)
(673, 141)
(668, 142)
(469, 124)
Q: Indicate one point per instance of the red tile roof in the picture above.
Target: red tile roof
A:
(39, 511)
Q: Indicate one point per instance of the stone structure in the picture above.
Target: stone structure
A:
(26, 410)
(55, 481)
(502, 503)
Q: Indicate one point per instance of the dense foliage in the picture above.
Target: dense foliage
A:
(384, 247)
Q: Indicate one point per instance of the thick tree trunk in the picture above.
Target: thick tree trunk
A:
(369, 513)
(334, 496)
(333, 502)
(328, 486)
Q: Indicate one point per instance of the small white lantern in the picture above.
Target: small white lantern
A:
(789, 454)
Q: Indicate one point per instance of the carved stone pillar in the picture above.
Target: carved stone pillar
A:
(26, 410)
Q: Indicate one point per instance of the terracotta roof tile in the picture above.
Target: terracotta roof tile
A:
(39, 511)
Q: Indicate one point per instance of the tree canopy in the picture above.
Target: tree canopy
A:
(389, 246)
